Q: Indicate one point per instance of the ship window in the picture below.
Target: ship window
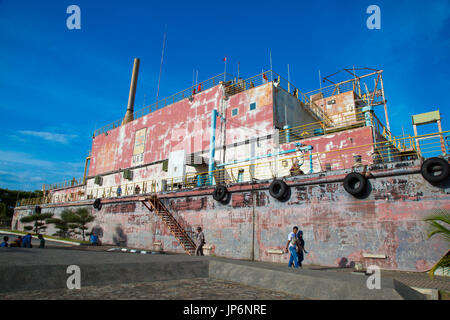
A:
(252, 106)
(165, 165)
(234, 112)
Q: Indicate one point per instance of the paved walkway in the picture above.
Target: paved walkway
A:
(412, 279)
(186, 289)
(172, 288)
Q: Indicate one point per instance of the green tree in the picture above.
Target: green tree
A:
(9, 198)
(3, 210)
(62, 227)
(83, 218)
(39, 220)
(65, 226)
(439, 223)
(77, 220)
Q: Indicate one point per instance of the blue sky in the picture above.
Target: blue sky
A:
(58, 85)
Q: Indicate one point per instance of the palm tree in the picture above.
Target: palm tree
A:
(439, 223)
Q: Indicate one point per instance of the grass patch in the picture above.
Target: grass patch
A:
(47, 237)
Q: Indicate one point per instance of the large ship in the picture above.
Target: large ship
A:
(247, 159)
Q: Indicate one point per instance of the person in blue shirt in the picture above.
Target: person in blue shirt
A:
(291, 246)
(26, 241)
(93, 239)
(5, 242)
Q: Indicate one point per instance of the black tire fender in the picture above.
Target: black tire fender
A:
(355, 183)
(430, 165)
(220, 192)
(97, 203)
(278, 189)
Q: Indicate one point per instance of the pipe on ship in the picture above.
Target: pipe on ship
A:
(130, 108)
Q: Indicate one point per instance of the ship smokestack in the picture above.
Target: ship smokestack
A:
(130, 108)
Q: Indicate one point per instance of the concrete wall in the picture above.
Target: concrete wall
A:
(344, 111)
(173, 127)
(184, 125)
(338, 228)
(288, 107)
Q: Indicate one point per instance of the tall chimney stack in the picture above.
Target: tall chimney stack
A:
(130, 108)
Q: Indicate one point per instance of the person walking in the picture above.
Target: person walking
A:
(17, 242)
(300, 248)
(41, 241)
(5, 242)
(26, 241)
(291, 246)
(200, 242)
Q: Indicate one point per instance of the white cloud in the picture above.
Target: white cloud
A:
(23, 158)
(50, 136)
(23, 171)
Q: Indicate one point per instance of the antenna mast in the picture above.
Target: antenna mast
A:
(160, 66)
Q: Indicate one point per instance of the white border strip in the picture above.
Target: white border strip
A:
(35, 237)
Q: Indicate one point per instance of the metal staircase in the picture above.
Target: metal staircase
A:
(155, 205)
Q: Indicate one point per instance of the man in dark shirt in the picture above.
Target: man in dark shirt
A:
(300, 247)
(200, 242)
(41, 241)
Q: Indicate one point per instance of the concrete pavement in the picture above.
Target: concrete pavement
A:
(37, 269)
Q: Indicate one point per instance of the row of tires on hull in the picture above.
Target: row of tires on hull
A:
(434, 170)
(277, 189)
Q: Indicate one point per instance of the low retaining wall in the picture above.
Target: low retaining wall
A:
(312, 284)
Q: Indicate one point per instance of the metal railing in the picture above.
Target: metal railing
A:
(346, 121)
(335, 89)
(353, 84)
(319, 128)
(232, 86)
(31, 201)
(270, 76)
(65, 184)
(149, 186)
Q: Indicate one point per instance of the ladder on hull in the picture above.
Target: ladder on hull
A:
(155, 205)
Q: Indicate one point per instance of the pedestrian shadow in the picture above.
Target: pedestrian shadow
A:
(344, 263)
(120, 238)
(97, 231)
